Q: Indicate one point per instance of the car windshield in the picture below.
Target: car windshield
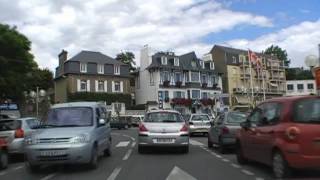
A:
(200, 118)
(163, 117)
(307, 111)
(9, 125)
(70, 117)
(236, 117)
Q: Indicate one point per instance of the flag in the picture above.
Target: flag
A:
(252, 57)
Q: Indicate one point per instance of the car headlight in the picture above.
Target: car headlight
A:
(82, 138)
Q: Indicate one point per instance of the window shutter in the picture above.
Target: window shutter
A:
(112, 86)
(121, 86)
(88, 85)
(97, 85)
(78, 85)
(105, 86)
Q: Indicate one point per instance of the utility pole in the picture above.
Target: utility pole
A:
(37, 102)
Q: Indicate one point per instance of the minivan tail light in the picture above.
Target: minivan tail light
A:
(142, 128)
(225, 130)
(292, 133)
(19, 133)
(184, 128)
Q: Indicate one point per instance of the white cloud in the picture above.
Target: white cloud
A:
(115, 25)
(299, 40)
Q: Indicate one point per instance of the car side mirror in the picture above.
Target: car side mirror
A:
(102, 122)
(245, 125)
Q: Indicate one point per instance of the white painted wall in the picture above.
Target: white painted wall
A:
(305, 91)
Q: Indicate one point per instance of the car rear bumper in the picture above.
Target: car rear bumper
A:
(16, 146)
(151, 140)
(72, 154)
(195, 129)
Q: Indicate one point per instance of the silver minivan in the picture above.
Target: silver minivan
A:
(73, 133)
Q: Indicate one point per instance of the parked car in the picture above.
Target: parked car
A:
(163, 128)
(72, 133)
(198, 123)
(14, 131)
(136, 120)
(120, 122)
(223, 130)
(283, 133)
(3, 153)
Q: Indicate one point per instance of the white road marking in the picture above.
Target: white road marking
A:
(259, 178)
(225, 160)
(247, 172)
(3, 173)
(213, 153)
(114, 173)
(218, 156)
(132, 138)
(49, 176)
(195, 143)
(133, 144)
(127, 155)
(179, 174)
(19, 167)
(123, 144)
(235, 165)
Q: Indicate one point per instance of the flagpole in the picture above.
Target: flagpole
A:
(250, 68)
(264, 91)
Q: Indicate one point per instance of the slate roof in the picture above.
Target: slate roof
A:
(94, 57)
(232, 50)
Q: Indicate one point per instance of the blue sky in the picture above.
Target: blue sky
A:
(112, 26)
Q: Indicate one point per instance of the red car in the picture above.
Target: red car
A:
(3, 154)
(283, 133)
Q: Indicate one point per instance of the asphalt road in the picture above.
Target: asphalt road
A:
(126, 163)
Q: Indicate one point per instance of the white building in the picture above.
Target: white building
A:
(301, 87)
(185, 83)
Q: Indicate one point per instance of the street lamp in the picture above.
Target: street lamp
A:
(36, 95)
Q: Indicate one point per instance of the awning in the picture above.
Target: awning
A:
(274, 85)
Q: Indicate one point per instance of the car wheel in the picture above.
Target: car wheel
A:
(280, 166)
(221, 147)
(239, 153)
(94, 158)
(107, 152)
(3, 160)
(210, 144)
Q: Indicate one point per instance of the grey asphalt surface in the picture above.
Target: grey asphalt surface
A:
(126, 163)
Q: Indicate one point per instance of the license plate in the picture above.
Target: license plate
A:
(52, 153)
(164, 140)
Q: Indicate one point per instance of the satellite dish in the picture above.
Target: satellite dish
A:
(311, 61)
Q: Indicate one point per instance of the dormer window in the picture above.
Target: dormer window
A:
(201, 64)
(193, 63)
(176, 61)
(164, 60)
(234, 59)
(83, 67)
(100, 68)
(211, 65)
(116, 69)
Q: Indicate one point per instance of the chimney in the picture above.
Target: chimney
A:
(62, 58)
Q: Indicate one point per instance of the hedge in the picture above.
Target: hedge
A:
(107, 97)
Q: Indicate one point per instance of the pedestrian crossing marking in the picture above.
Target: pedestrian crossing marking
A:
(123, 144)
(195, 143)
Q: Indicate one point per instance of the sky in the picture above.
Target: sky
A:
(114, 26)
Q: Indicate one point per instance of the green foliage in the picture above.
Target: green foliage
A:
(18, 71)
(280, 53)
(298, 74)
(107, 97)
(127, 58)
(137, 107)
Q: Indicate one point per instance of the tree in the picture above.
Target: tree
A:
(16, 62)
(42, 78)
(280, 53)
(127, 58)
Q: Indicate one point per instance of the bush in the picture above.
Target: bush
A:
(107, 97)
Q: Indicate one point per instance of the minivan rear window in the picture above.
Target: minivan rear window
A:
(9, 125)
(200, 118)
(307, 111)
(163, 117)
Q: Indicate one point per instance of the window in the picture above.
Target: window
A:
(83, 67)
(310, 86)
(116, 69)
(290, 87)
(117, 107)
(100, 68)
(256, 115)
(300, 86)
(234, 59)
(201, 64)
(166, 94)
(176, 61)
(165, 76)
(117, 87)
(101, 86)
(195, 94)
(204, 95)
(178, 94)
(186, 77)
(271, 114)
(204, 78)
(33, 123)
(164, 60)
(211, 65)
(83, 85)
(151, 79)
(193, 63)
(70, 116)
(178, 77)
(194, 76)
(163, 117)
(236, 117)
(307, 111)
